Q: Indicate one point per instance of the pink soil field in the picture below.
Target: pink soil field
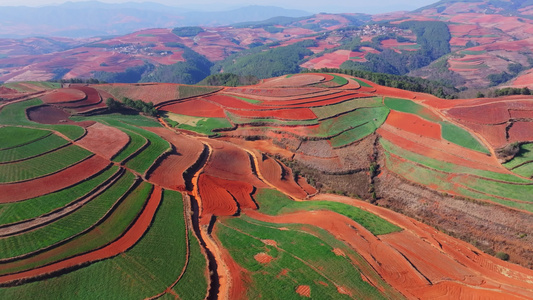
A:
(64, 95)
(157, 93)
(169, 172)
(328, 60)
(521, 132)
(494, 113)
(103, 140)
(263, 258)
(93, 97)
(46, 114)
(440, 149)
(196, 107)
(298, 80)
(216, 200)
(41, 186)
(447, 104)
(271, 92)
(393, 43)
(319, 100)
(230, 102)
(126, 241)
(315, 93)
(412, 270)
(521, 114)
(414, 124)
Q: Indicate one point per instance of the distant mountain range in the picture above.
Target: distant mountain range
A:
(93, 18)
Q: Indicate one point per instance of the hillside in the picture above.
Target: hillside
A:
(339, 188)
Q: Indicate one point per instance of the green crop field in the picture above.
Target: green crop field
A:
(42, 165)
(448, 167)
(362, 83)
(411, 107)
(306, 257)
(143, 271)
(32, 208)
(43, 145)
(187, 91)
(334, 126)
(461, 137)
(273, 202)
(15, 114)
(204, 125)
(18, 136)
(252, 101)
(67, 226)
(193, 284)
(328, 111)
(525, 170)
(357, 133)
(339, 79)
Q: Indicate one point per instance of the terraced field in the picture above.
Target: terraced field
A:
(249, 192)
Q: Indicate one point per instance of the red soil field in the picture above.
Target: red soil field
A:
(169, 173)
(263, 258)
(521, 132)
(92, 98)
(280, 176)
(64, 95)
(216, 200)
(493, 113)
(309, 189)
(196, 107)
(393, 92)
(4, 91)
(304, 291)
(230, 102)
(254, 91)
(414, 124)
(157, 93)
(46, 114)
(29, 189)
(316, 93)
(103, 140)
(283, 114)
(318, 100)
(328, 60)
(393, 43)
(126, 241)
(440, 149)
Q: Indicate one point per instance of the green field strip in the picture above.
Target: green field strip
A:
(273, 202)
(459, 136)
(131, 119)
(471, 52)
(206, 126)
(350, 136)
(42, 165)
(35, 207)
(471, 67)
(408, 106)
(498, 189)
(68, 226)
(362, 83)
(448, 167)
(525, 170)
(187, 91)
(339, 80)
(252, 101)
(136, 142)
(18, 136)
(307, 259)
(148, 268)
(15, 114)
(235, 119)
(334, 126)
(40, 84)
(461, 185)
(328, 111)
(193, 284)
(35, 148)
(525, 155)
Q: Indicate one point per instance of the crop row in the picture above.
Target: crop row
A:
(42, 165)
(18, 136)
(68, 226)
(328, 111)
(32, 208)
(40, 146)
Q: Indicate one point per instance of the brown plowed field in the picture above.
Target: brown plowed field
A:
(64, 95)
(281, 177)
(72, 175)
(126, 241)
(414, 124)
(155, 92)
(216, 200)
(271, 92)
(93, 97)
(196, 107)
(521, 114)
(232, 102)
(493, 113)
(103, 140)
(494, 134)
(521, 132)
(283, 114)
(298, 80)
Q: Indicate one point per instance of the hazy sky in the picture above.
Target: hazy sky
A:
(355, 6)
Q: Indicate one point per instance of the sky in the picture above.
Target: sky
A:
(314, 6)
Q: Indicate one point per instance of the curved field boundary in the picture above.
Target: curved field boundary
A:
(126, 241)
(44, 165)
(14, 137)
(69, 227)
(356, 134)
(337, 109)
(36, 148)
(267, 119)
(92, 98)
(70, 207)
(15, 114)
(524, 156)
(104, 140)
(316, 93)
(411, 107)
(22, 211)
(461, 137)
(65, 95)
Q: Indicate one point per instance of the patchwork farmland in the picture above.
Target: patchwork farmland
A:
(276, 190)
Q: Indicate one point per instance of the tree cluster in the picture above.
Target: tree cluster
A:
(137, 105)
